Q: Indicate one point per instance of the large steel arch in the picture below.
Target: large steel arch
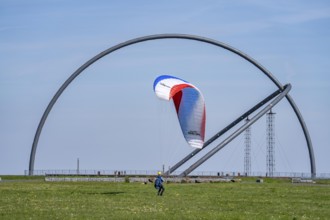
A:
(169, 36)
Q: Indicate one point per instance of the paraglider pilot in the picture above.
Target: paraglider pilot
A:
(159, 184)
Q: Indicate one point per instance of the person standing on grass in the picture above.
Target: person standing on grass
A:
(159, 184)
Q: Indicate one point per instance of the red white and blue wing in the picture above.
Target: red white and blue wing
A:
(189, 104)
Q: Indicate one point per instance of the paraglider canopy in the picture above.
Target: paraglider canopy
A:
(189, 104)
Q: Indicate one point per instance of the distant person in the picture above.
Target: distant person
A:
(159, 184)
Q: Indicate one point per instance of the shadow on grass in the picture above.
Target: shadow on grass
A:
(106, 193)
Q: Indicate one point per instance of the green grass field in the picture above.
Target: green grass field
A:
(274, 199)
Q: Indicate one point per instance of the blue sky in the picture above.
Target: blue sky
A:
(109, 117)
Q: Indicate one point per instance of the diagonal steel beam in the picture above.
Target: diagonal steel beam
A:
(227, 128)
(287, 88)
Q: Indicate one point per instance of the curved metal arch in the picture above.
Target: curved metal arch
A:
(168, 36)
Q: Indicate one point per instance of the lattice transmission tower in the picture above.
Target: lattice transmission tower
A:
(247, 150)
(270, 157)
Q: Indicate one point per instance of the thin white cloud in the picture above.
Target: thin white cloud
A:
(308, 15)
